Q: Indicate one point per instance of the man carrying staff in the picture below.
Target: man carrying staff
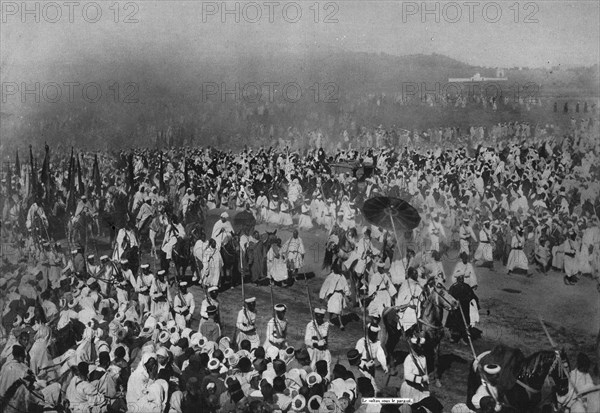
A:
(466, 234)
(212, 298)
(416, 380)
(316, 338)
(276, 334)
(184, 306)
(370, 348)
(484, 252)
(407, 301)
(335, 289)
(246, 324)
(144, 282)
(161, 297)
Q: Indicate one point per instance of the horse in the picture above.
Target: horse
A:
(521, 379)
(66, 338)
(182, 254)
(230, 253)
(437, 299)
(256, 256)
(434, 300)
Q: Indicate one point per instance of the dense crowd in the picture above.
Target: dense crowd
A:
(85, 332)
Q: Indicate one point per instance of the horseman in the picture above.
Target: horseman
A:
(173, 233)
(138, 199)
(381, 289)
(408, 301)
(37, 222)
(222, 230)
(186, 201)
(92, 269)
(107, 274)
(145, 214)
(362, 255)
(212, 265)
(126, 239)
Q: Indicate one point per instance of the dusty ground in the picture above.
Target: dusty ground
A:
(510, 305)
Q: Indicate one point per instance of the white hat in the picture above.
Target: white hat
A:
(298, 403)
(313, 378)
(90, 257)
(272, 353)
(162, 351)
(183, 284)
(214, 364)
(280, 307)
(314, 403)
(492, 368)
(374, 329)
(161, 272)
(187, 333)
(319, 311)
(163, 337)
(250, 300)
(224, 215)
(211, 289)
(145, 266)
(104, 257)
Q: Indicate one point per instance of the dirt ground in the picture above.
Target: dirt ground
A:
(511, 307)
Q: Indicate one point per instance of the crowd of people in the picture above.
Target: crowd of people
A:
(85, 332)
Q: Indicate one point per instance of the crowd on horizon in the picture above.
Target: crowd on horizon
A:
(515, 197)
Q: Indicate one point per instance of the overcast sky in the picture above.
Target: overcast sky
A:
(533, 34)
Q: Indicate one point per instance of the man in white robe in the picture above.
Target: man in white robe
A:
(222, 230)
(212, 265)
(335, 289)
(246, 324)
(293, 251)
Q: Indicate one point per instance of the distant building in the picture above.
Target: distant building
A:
(478, 78)
(499, 72)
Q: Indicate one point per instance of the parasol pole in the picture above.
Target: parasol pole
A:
(398, 248)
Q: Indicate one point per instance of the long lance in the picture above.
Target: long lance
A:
(274, 313)
(366, 335)
(310, 308)
(555, 348)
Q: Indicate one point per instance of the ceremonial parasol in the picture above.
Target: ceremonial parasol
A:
(244, 220)
(393, 213)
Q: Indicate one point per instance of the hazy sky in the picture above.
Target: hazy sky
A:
(503, 33)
